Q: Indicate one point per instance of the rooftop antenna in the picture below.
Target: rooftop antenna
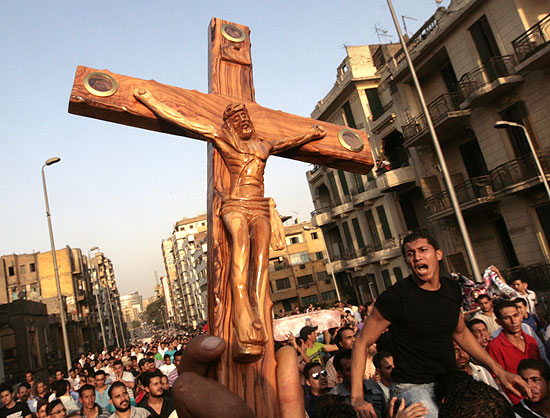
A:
(381, 32)
(405, 23)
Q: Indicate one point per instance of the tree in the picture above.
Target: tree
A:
(155, 313)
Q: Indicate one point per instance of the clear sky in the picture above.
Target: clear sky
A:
(123, 188)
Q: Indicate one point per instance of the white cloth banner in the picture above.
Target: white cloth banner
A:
(324, 319)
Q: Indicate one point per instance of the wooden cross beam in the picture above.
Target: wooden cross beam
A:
(111, 97)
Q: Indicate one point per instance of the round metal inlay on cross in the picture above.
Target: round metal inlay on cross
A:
(233, 33)
(100, 84)
(350, 140)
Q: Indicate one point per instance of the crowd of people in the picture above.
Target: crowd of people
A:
(412, 353)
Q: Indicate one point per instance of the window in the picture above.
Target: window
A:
(22, 268)
(335, 192)
(372, 227)
(386, 278)
(359, 182)
(32, 268)
(343, 182)
(349, 115)
(11, 271)
(398, 274)
(314, 235)
(311, 299)
(347, 234)
(276, 265)
(294, 239)
(304, 280)
(282, 283)
(319, 255)
(299, 258)
(358, 234)
(518, 113)
(329, 295)
(384, 221)
(376, 108)
(486, 46)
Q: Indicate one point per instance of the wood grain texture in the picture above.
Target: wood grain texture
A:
(255, 382)
(123, 108)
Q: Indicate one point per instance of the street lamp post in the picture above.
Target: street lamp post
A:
(49, 162)
(96, 293)
(441, 158)
(503, 124)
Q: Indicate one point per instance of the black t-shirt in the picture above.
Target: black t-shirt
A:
(20, 410)
(167, 407)
(422, 326)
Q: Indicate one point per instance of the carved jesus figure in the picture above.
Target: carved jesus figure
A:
(245, 211)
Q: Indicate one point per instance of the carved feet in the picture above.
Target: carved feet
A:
(251, 337)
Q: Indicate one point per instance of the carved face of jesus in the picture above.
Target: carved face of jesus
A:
(242, 124)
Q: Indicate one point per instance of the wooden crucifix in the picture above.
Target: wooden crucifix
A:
(241, 222)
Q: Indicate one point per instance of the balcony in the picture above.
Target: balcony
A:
(488, 81)
(394, 180)
(384, 119)
(314, 173)
(323, 216)
(342, 208)
(537, 276)
(532, 47)
(368, 196)
(471, 194)
(446, 117)
(519, 174)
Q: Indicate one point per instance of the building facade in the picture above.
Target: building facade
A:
(298, 273)
(109, 307)
(184, 254)
(362, 217)
(478, 62)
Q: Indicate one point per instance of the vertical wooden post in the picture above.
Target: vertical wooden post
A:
(230, 74)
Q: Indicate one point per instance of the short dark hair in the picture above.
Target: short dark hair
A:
(475, 321)
(520, 300)
(178, 353)
(25, 385)
(84, 388)
(378, 357)
(419, 234)
(338, 336)
(6, 387)
(100, 372)
(533, 364)
(114, 385)
(118, 362)
(341, 354)
(308, 367)
(483, 296)
(167, 356)
(146, 380)
(502, 304)
(52, 405)
(60, 387)
(476, 399)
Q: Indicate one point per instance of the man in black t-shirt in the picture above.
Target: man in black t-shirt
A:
(155, 402)
(11, 408)
(423, 316)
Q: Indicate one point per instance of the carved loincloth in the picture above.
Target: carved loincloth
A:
(251, 207)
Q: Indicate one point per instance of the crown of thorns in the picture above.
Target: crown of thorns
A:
(232, 109)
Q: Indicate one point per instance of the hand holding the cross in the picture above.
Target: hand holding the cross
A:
(193, 391)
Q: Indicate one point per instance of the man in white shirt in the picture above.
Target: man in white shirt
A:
(520, 286)
(486, 314)
(167, 367)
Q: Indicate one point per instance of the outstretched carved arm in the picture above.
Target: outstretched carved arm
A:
(314, 133)
(172, 115)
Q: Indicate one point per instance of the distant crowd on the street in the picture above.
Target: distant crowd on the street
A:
(428, 346)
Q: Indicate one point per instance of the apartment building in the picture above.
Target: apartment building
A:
(298, 273)
(109, 299)
(478, 62)
(184, 255)
(362, 216)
